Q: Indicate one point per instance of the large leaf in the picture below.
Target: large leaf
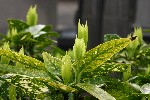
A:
(103, 52)
(35, 85)
(96, 91)
(26, 60)
(106, 69)
(17, 24)
(28, 85)
(123, 91)
(23, 70)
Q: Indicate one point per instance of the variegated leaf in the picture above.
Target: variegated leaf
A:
(23, 71)
(96, 91)
(103, 52)
(30, 62)
(52, 64)
(105, 69)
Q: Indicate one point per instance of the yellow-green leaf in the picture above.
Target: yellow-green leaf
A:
(103, 52)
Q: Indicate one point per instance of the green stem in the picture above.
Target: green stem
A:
(78, 73)
(127, 74)
(148, 70)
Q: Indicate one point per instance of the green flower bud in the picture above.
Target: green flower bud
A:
(83, 32)
(79, 49)
(132, 47)
(66, 69)
(12, 32)
(32, 16)
(138, 33)
(4, 59)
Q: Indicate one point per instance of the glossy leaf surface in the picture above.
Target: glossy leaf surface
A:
(26, 60)
(96, 91)
(103, 52)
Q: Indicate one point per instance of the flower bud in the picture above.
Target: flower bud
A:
(138, 33)
(79, 49)
(66, 69)
(83, 32)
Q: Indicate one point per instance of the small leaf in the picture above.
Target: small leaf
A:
(95, 91)
(52, 64)
(36, 30)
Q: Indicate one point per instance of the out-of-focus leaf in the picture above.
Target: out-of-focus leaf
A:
(108, 37)
(12, 92)
(17, 24)
(30, 62)
(35, 30)
(32, 16)
(145, 89)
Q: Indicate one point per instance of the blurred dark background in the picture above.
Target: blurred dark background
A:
(103, 17)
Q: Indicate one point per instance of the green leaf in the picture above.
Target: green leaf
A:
(26, 60)
(100, 80)
(17, 24)
(95, 91)
(58, 85)
(32, 16)
(106, 69)
(70, 96)
(52, 63)
(103, 52)
(28, 84)
(21, 69)
(12, 92)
